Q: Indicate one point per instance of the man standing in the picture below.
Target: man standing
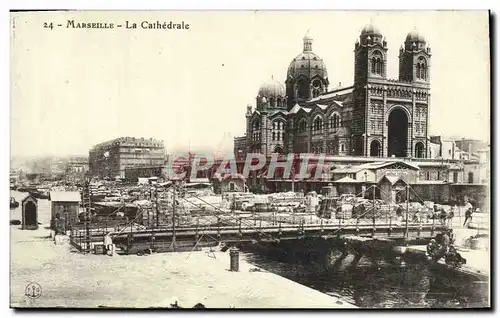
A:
(468, 213)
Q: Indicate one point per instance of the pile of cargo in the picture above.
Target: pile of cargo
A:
(239, 200)
(285, 202)
(344, 211)
(161, 215)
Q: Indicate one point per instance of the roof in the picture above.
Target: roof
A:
(199, 180)
(342, 91)
(295, 109)
(338, 103)
(278, 111)
(392, 179)
(384, 164)
(73, 196)
(29, 196)
(347, 180)
(430, 182)
(348, 169)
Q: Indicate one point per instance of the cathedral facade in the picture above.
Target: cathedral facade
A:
(375, 117)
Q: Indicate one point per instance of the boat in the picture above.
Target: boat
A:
(13, 203)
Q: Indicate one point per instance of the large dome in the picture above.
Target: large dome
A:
(272, 88)
(307, 63)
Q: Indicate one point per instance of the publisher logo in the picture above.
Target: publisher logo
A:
(33, 291)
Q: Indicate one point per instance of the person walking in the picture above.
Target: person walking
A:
(468, 213)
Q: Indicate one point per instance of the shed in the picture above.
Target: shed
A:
(29, 213)
(392, 189)
(348, 185)
(230, 183)
(65, 207)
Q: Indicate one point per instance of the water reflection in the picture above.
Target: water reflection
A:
(380, 285)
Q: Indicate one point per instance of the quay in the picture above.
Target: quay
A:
(477, 261)
(70, 279)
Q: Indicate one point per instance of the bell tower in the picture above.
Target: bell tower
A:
(370, 64)
(370, 56)
(415, 59)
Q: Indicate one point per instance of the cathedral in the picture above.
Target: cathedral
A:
(375, 117)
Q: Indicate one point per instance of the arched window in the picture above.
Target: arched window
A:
(271, 102)
(318, 124)
(316, 84)
(335, 121)
(342, 148)
(471, 177)
(421, 68)
(256, 131)
(377, 63)
(379, 66)
(278, 130)
(375, 148)
(419, 150)
(278, 102)
(302, 125)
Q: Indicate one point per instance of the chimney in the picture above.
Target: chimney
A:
(340, 84)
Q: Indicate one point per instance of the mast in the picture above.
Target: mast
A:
(87, 204)
(407, 212)
(373, 201)
(174, 188)
(157, 209)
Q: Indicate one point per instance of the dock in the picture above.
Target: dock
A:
(78, 280)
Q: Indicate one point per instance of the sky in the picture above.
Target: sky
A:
(73, 88)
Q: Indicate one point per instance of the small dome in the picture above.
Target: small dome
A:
(370, 29)
(272, 88)
(414, 36)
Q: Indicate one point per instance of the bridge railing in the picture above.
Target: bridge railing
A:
(265, 226)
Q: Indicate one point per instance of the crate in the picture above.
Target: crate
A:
(99, 249)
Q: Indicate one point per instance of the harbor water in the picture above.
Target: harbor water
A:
(382, 285)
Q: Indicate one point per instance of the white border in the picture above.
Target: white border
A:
(189, 5)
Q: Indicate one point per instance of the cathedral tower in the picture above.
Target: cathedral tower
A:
(414, 59)
(370, 65)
